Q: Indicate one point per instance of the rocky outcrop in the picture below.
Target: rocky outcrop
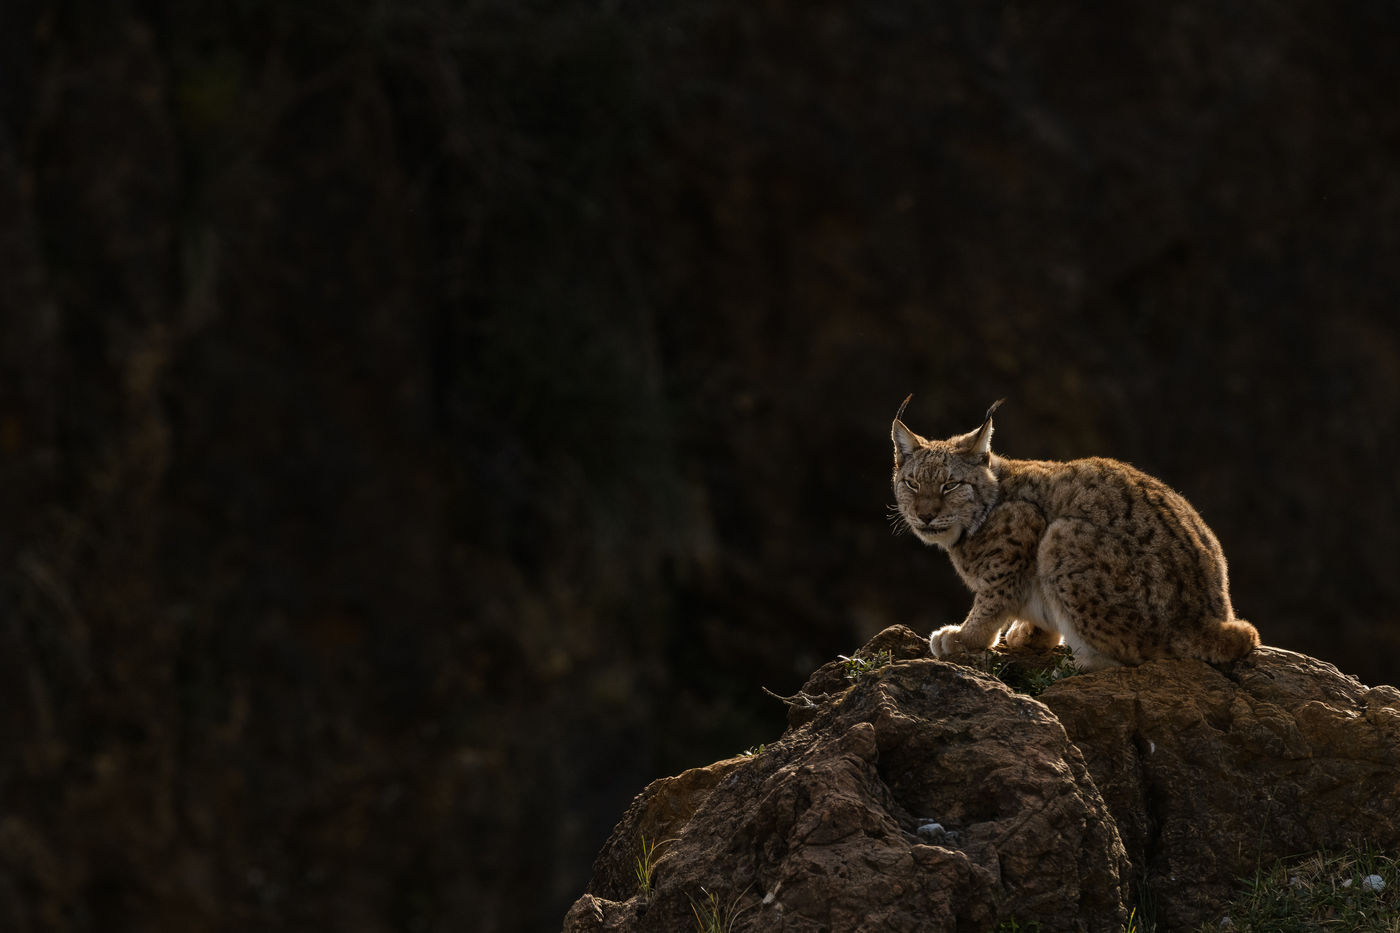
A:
(1209, 772)
(923, 796)
(915, 794)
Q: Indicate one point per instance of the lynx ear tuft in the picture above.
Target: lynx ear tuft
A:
(979, 443)
(905, 440)
(903, 405)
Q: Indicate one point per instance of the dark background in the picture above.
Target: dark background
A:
(424, 423)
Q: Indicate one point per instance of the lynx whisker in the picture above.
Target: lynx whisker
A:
(898, 526)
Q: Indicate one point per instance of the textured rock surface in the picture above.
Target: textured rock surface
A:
(1208, 772)
(829, 828)
(1161, 784)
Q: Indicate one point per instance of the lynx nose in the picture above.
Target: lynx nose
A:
(926, 517)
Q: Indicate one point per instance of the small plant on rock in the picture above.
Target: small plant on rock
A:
(645, 865)
(1028, 679)
(1137, 924)
(713, 915)
(857, 667)
(1012, 925)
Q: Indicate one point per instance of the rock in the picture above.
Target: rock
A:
(822, 829)
(897, 643)
(926, 795)
(1211, 772)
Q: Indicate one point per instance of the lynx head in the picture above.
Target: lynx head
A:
(943, 489)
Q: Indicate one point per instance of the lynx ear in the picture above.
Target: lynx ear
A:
(979, 443)
(905, 440)
(905, 443)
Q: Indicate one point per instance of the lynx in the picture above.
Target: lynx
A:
(1093, 551)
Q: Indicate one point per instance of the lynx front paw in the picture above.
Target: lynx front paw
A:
(945, 641)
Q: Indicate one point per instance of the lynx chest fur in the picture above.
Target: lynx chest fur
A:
(1094, 552)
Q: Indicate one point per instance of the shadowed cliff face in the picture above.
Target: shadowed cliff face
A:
(421, 426)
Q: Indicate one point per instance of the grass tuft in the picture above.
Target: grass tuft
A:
(713, 915)
(645, 865)
(1357, 891)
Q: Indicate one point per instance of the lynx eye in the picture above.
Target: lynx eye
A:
(951, 485)
(913, 486)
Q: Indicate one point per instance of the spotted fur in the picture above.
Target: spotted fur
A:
(1098, 553)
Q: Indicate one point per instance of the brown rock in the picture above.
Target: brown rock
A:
(926, 796)
(1159, 785)
(1210, 772)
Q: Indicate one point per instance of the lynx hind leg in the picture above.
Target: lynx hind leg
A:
(1026, 636)
(1219, 643)
(1076, 563)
